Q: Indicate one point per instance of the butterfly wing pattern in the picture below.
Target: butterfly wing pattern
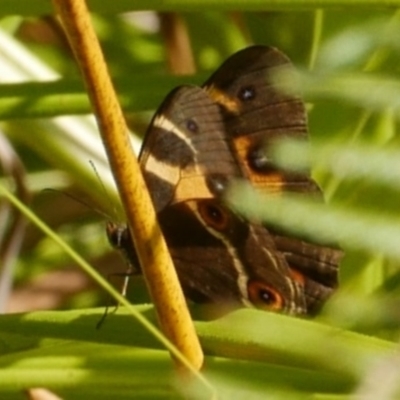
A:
(199, 141)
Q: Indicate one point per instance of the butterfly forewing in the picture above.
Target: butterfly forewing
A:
(184, 147)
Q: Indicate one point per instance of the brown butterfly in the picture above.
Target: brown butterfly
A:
(200, 140)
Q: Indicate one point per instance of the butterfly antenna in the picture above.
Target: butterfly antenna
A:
(78, 200)
(106, 193)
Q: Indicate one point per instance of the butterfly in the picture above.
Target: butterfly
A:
(199, 141)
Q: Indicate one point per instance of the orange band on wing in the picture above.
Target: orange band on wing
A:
(231, 105)
(297, 276)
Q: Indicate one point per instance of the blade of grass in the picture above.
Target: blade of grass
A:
(42, 7)
(374, 233)
(98, 279)
(343, 162)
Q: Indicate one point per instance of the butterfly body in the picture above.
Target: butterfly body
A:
(202, 139)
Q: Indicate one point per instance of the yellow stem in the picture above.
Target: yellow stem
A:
(157, 266)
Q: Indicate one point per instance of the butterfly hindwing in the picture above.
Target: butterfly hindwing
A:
(257, 112)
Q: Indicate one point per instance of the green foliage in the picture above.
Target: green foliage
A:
(349, 64)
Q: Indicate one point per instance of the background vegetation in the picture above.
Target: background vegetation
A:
(349, 63)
